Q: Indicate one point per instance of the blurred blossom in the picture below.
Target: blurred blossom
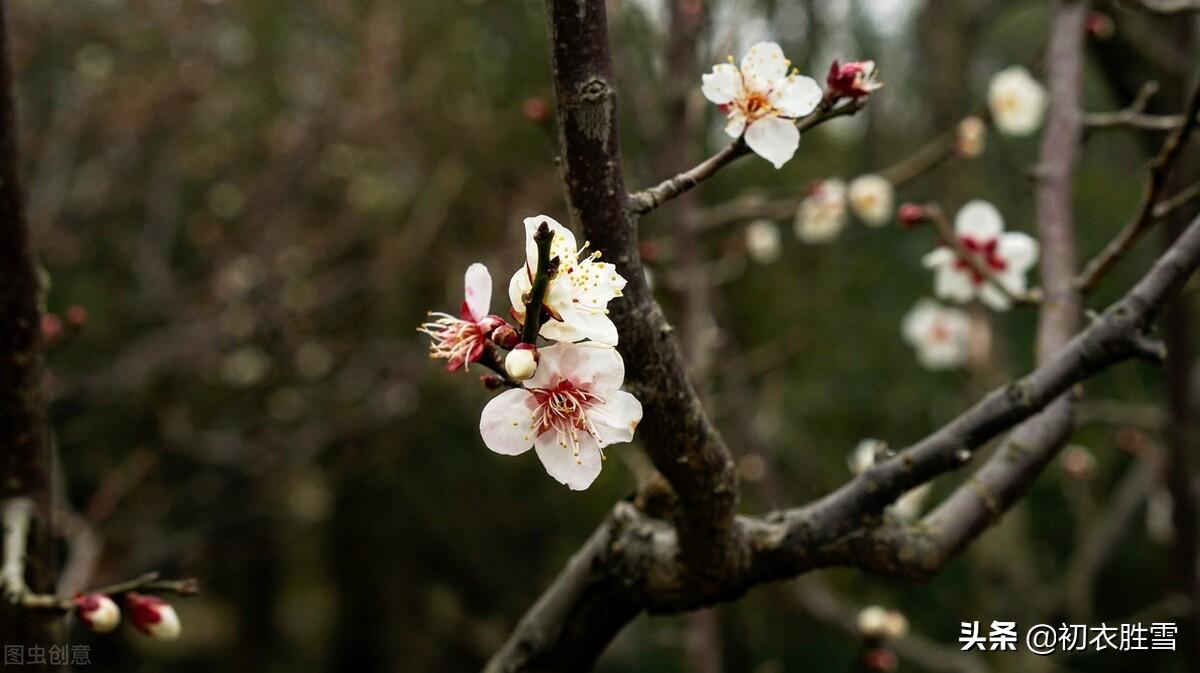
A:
(980, 229)
(762, 241)
(940, 335)
(863, 455)
(1017, 101)
(225, 200)
(313, 360)
(872, 200)
(1078, 462)
(238, 278)
(822, 214)
(245, 366)
(752, 467)
(971, 137)
(1160, 525)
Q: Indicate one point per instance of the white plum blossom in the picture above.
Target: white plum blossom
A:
(98, 612)
(762, 100)
(1008, 256)
(970, 137)
(460, 341)
(152, 616)
(822, 214)
(568, 412)
(940, 335)
(762, 241)
(1017, 101)
(578, 295)
(872, 199)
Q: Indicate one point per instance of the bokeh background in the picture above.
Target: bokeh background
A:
(257, 201)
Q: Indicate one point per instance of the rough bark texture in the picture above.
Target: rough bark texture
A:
(24, 460)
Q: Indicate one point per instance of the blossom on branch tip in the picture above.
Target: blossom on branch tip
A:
(970, 137)
(911, 214)
(461, 341)
(98, 612)
(152, 616)
(853, 80)
(568, 412)
(822, 214)
(1008, 256)
(578, 295)
(762, 100)
(762, 241)
(1017, 101)
(940, 335)
(871, 199)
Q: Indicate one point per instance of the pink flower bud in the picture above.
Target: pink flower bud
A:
(521, 362)
(505, 336)
(97, 612)
(911, 214)
(152, 616)
(880, 659)
(534, 109)
(1099, 26)
(491, 381)
(76, 315)
(52, 327)
(852, 80)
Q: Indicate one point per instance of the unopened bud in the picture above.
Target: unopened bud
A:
(534, 109)
(521, 362)
(1078, 462)
(881, 660)
(852, 80)
(1099, 25)
(491, 381)
(152, 616)
(97, 612)
(872, 622)
(505, 336)
(895, 625)
(52, 327)
(971, 137)
(911, 214)
(76, 315)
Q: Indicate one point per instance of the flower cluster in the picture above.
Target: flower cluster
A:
(564, 399)
(149, 614)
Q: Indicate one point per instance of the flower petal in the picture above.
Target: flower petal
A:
(736, 124)
(616, 418)
(939, 256)
(978, 220)
(953, 284)
(994, 299)
(774, 139)
(561, 462)
(1019, 250)
(763, 64)
(588, 364)
(506, 423)
(562, 246)
(723, 85)
(478, 291)
(578, 324)
(796, 95)
(518, 286)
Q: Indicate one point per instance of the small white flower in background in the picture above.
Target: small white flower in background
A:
(97, 612)
(877, 623)
(908, 506)
(762, 241)
(872, 199)
(570, 410)
(971, 137)
(1017, 101)
(1078, 462)
(940, 335)
(1160, 524)
(1008, 256)
(152, 616)
(822, 214)
(460, 341)
(763, 101)
(579, 292)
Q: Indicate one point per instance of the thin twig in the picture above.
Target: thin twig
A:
(17, 514)
(946, 232)
(546, 267)
(1170, 204)
(1160, 173)
(648, 199)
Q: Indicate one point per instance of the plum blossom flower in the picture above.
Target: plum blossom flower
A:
(980, 229)
(872, 199)
(940, 335)
(970, 137)
(854, 79)
(98, 612)
(1017, 101)
(568, 412)
(152, 616)
(762, 100)
(822, 214)
(460, 341)
(762, 241)
(578, 295)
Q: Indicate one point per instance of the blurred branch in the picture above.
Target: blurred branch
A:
(1169, 6)
(1160, 172)
(652, 197)
(1182, 198)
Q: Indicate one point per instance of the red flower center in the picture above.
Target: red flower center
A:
(985, 252)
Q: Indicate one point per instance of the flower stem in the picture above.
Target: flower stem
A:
(546, 267)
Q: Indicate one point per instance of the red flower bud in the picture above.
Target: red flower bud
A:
(76, 315)
(52, 327)
(97, 612)
(535, 109)
(152, 616)
(911, 214)
(506, 336)
(852, 80)
(1099, 26)
(880, 659)
(491, 381)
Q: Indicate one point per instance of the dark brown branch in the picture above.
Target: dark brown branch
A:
(543, 238)
(1160, 173)
(1171, 204)
(652, 197)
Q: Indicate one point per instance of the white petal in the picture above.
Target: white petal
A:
(478, 293)
(979, 221)
(736, 124)
(774, 139)
(796, 96)
(598, 367)
(953, 284)
(763, 64)
(993, 298)
(577, 325)
(940, 256)
(1017, 101)
(562, 246)
(918, 320)
(506, 423)
(1018, 250)
(723, 85)
(616, 418)
(561, 462)
(871, 197)
(518, 286)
